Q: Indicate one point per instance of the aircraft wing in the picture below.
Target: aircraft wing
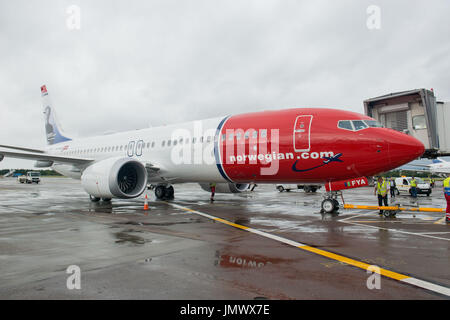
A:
(22, 148)
(43, 157)
(423, 166)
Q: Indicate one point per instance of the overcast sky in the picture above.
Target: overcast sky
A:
(138, 63)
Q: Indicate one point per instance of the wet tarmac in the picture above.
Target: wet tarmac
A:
(190, 248)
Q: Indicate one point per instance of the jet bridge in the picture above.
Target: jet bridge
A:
(415, 112)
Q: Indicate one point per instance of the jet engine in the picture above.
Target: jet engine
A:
(226, 187)
(115, 178)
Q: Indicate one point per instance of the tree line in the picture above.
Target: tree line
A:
(24, 171)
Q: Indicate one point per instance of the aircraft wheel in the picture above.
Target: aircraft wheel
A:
(159, 192)
(169, 192)
(307, 189)
(280, 188)
(94, 199)
(106, 199)
(329, 205)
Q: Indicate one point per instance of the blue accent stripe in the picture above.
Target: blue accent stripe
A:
(216, 150)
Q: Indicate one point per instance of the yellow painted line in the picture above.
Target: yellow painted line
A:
(355, 263)
(333, 256)
(231, 224)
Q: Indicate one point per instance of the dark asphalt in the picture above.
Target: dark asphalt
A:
(125, 252)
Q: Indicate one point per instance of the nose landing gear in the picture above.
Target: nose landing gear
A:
(330, 203)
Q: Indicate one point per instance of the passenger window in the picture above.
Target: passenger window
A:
(163, 143)
(201, 139)
(194, 140)
(169, 142)
(230, 137)
(238, 136)
(255, 134)
(345, 124)
(359, 124)
(153, 144)
(208, 139)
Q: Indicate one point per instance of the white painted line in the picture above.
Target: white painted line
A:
(395, 230)
(427, 285)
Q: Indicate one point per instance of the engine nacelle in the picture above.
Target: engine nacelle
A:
(226, 187)
(115, 178)
(43, 164)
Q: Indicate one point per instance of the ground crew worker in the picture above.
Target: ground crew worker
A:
(212, 186)
(392, 187)
(413, 187)
(447, 197)
(381, 190)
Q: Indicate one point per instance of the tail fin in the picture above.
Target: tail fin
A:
(52, 128)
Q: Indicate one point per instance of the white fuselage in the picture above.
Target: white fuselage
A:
(191, 159)
(443, 167)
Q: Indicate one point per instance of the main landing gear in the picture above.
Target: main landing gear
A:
(164, 192)
(330, 203)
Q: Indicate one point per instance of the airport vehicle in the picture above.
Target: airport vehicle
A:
(22, 178)
(298, 145)
(306, 188)
(33, 177)
(404, 185)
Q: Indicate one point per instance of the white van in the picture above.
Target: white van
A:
(403, 184)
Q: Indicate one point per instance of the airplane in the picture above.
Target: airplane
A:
(297, 145)
(438, 166)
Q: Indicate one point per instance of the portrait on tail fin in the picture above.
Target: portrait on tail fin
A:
(49, 129)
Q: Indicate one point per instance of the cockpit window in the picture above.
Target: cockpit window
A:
(359, 125)
(356, 125)
(373, 123)
(345, 124)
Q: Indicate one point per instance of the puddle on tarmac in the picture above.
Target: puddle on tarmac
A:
(125, 237)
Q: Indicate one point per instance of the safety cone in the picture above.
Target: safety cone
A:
(146, 203)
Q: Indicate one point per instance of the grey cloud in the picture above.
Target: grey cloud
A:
(138, 62)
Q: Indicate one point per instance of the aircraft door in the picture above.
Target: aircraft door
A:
(302, 133)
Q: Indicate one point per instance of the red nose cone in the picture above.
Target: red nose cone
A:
(404, 149)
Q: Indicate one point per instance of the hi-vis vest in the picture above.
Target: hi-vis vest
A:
(382, 188)
(413, 183)
(447, 186)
